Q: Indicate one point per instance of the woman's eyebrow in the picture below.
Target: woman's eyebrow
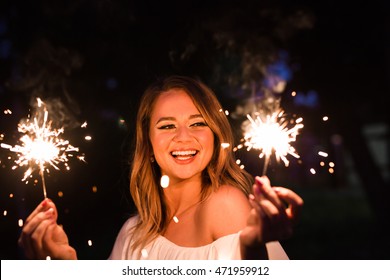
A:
(172, 118)
(165, 119)
(196, 116)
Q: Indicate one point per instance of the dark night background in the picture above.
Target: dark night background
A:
(97, 56)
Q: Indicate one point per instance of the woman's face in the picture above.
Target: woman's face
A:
(182, 142)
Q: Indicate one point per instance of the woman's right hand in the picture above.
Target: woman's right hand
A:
(42, 237)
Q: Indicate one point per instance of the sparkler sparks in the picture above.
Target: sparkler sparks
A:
(274, 135)
(41, 146)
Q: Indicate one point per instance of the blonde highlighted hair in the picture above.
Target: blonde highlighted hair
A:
(145, 174)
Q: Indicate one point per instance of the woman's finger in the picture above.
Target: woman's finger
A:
(30, 237)
(262, 188)
(56, 242)
(49, 244)
(43, 206)
(294, 201)
(38, 235)
(274, 217)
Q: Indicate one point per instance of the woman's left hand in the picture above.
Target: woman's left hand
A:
(273, 216)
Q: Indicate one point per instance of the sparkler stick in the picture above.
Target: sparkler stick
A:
(272, 136)
(41, 146)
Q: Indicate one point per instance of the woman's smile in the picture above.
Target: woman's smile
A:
(184, 155)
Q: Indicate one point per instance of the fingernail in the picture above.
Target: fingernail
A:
(259, 180)
(49, 212)
(46, 202)
(278, 190)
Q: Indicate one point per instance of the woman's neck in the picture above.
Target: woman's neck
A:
(181, 195)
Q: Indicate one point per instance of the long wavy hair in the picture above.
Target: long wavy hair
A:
(145, 174)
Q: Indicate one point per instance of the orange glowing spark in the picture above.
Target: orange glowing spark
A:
(272, 136)
(41, 146)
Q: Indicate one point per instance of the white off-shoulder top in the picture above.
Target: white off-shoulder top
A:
(224, 248)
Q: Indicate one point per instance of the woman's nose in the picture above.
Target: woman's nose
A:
(182, 133)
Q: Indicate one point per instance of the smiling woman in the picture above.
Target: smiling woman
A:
(182, 142)
(185, 184)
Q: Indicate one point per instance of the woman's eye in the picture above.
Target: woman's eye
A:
(167, 126)
(199, 124)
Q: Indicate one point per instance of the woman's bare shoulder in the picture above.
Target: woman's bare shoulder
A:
(227, 210)
(227, 193)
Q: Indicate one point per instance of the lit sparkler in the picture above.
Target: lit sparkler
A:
(41, 146)
(273, 135)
